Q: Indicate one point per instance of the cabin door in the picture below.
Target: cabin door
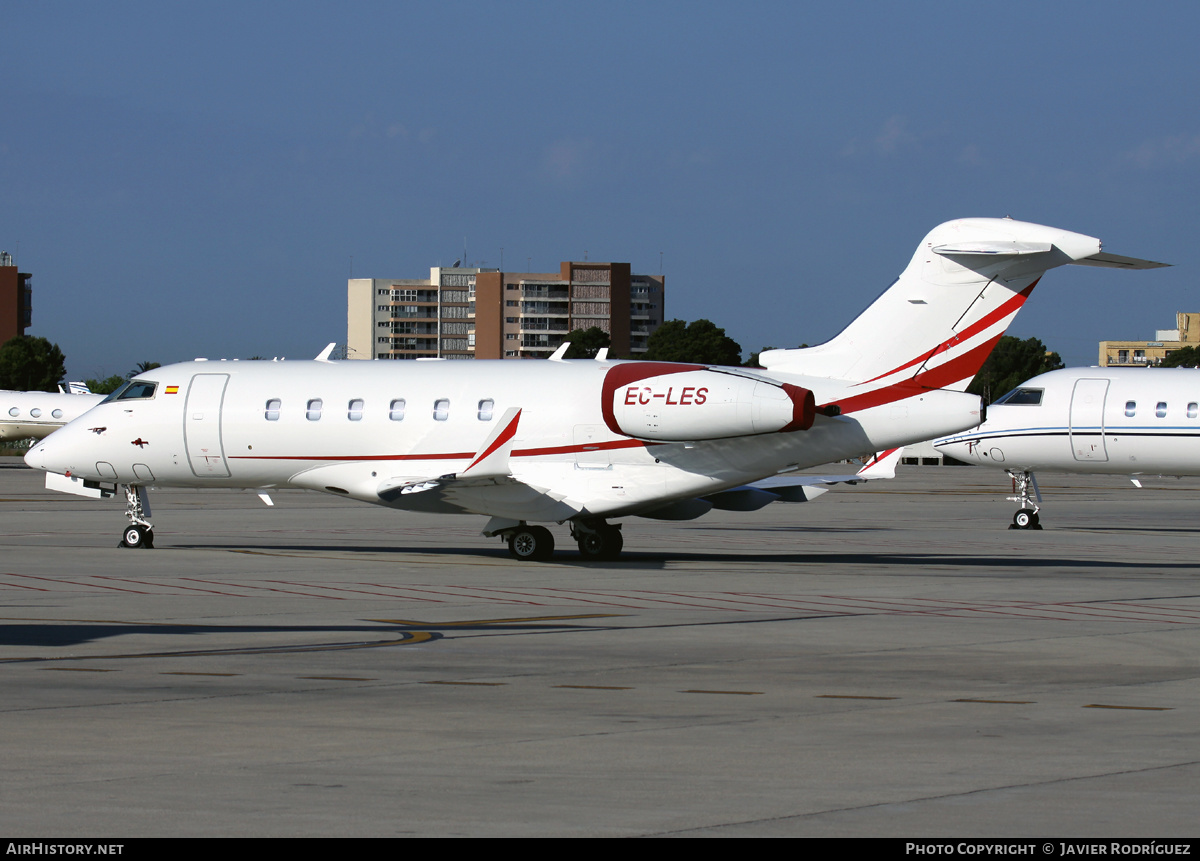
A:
(202, 425)
(1087, 421)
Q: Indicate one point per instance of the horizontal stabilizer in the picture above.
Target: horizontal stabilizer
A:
(992, 248)
(1116, 261)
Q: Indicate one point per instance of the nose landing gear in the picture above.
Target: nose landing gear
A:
(1027, 516)
(139, 533)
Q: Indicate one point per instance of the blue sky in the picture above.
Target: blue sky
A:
(200, 179)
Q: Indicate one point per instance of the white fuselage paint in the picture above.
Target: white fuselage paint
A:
(1117, 421)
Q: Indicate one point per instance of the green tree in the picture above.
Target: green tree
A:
(585, 343)
(1011, 363)
(106, 386)
(701, 342)
(1185, 357)
(142, 367)
(29, 364)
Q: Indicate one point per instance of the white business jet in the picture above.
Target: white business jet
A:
(39, 414)
(1114, 421)
(582, 441)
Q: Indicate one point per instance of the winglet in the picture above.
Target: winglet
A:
(882, 465)
(323, 356)
(492, 458)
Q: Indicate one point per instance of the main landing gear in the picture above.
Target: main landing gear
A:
(530, 543)
(140, 531)
(1027, 516)
(597, 540)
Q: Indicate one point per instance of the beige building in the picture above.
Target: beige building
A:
(468, 313)
(1116, 354)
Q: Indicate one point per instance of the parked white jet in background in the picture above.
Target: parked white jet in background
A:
(1114, 421)
(577, 441)
(39, 414)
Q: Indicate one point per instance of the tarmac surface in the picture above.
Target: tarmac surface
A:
(889, 660)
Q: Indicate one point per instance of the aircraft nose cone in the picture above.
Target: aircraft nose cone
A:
(35, 457)
(958, 449)
(50, 453)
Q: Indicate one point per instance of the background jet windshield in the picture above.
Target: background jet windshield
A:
(1022, 397)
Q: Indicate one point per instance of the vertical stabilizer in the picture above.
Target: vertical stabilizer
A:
(935, 326)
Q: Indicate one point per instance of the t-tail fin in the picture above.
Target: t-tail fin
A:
(935, 326)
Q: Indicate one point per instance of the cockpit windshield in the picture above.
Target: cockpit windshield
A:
(1021, 397)
(134, 390)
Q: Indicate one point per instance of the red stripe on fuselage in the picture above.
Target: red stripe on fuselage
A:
(457, 455)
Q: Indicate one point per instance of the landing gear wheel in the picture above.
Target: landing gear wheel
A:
(602, 545)
(137, 537)
(531, 544)
(1026, 518)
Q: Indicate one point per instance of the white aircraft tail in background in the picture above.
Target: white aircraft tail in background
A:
(578, 442)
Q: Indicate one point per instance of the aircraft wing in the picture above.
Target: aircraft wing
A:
(802, 488)
(486, 481)
(488, 468)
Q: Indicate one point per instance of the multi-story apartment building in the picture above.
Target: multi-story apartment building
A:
(16, 299)
(465, 313)
(1143, 353)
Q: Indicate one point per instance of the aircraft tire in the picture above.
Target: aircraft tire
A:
(137, 537)
(603, 545)
(1026, 518)
(531, 544)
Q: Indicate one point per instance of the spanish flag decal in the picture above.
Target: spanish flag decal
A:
(172, 390)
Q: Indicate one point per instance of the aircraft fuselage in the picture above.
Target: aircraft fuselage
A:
(352, 428)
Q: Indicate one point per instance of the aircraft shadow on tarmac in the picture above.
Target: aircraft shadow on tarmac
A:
(660, 559)
(62, 634)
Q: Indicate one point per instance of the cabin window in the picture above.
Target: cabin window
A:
(1192, 410)
(396, 410)
(354, 410)
(58, 413)
(485, 409)
(1161, 410)
(14, 412)
(441, 409)
(313, 411)
(271, 413)
(36, 413)
(1130, 408)
(1022, 397)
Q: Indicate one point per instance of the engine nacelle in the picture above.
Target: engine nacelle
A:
(676, 403)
